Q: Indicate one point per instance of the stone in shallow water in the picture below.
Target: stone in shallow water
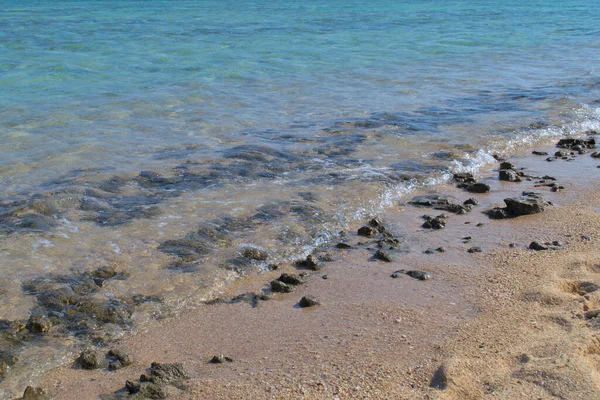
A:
(89, 359)
(37, 393)
(291, 279)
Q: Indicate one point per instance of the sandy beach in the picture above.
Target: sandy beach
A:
(506, 323)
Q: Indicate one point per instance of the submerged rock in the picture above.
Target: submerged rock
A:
(37, 393)
(89, 359)
(255, 254)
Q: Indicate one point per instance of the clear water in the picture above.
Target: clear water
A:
(275, 124)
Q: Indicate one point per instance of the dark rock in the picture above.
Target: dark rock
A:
(539, 153)
(464, 177)
(471, 201)
(115, 365)
(310, 262)
(291, 279)
(280, 287)
(550, 159)
(434, 223)
(477, 187)
(326, 257)
(39, 324)
(440, 202)
(121, 357)
(537, 246)
(167, 373)
(367, 231)
(561, 154)
(570, 143)
(474, 249)
(429, 251)
(308, 301)
(586, 238)
(507, 165)
(343, 246)
(89, 359)
(383, 256)
(524, 205)
(325, 277)
(252, 253)
(513, 245)
(150, 390)
(376, 223)
(441, 249)
(32, 393)
(595, 154)
(508, 175)
(220, 359)
(420, 275)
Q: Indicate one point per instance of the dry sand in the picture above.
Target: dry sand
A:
(506, 323)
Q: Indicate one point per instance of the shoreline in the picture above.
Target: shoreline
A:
(373, 336)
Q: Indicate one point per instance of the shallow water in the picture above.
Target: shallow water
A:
(161, 139)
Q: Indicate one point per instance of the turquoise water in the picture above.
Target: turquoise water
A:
(269, 124)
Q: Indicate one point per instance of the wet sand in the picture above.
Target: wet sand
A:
(503, 323)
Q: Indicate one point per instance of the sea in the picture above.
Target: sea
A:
(153, 151)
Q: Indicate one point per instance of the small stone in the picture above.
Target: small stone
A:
(539, 153)
(220, 359)
(586, 238)
(429, 251)
(89, 359)
(291, 279)
(513, 245)
(595, 154)
(537, 246)
(420, 275)
(325, 277)
(280, 287)
(121, 356)
(383, 256)
(376, 222)
(367, 231)
(441, 249)
(311, 262)
(32, 393)
(477, 187)
(471, 201)
(508, 175)
(308, 301)
(474, 249)
(115, 365)
(507, 165)
(343, 246)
